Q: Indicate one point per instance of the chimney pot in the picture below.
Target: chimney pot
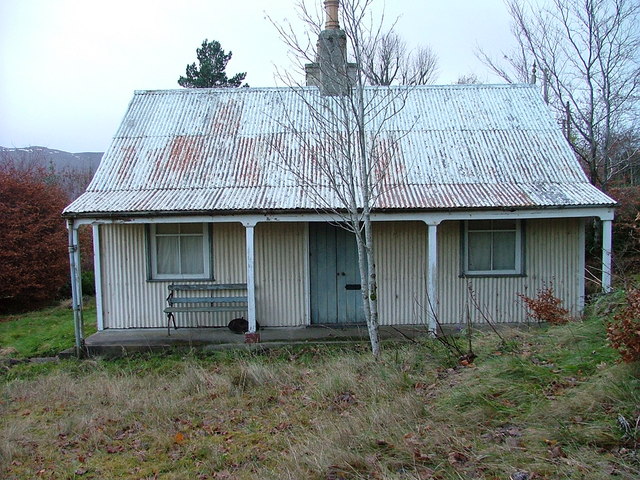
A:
(331, 9)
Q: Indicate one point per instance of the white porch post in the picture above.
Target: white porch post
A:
(251, 280)
(76, 285)
(606, 255)
(97, 272)
(432, 277)
(582, 272)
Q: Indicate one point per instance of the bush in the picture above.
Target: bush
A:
(626, 229)
(545, 307)
(623, 331)
(33, 239)
(88, 283)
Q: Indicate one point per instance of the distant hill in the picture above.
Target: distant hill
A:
(74, 171)
(48, 157)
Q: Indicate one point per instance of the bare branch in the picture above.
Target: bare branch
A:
(590, 53)
(346, 150)
(387, 61)
(422, 67)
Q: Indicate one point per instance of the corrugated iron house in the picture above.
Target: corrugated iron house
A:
(487, 195)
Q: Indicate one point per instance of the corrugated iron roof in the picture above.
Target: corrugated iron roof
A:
(209, 150)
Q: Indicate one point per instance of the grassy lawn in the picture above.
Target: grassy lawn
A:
(543, 405)
(42, 333)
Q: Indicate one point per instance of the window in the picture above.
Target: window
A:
(493, 247)
(180, 251)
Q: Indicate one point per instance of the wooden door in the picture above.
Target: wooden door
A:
(336, 296)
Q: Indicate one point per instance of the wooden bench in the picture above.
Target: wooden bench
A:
(203, 303)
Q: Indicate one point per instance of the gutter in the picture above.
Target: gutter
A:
(76, 287)
(125, 215)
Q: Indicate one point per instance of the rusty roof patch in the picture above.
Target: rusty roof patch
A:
(450, 147)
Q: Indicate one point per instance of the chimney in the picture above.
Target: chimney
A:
(331, 9)
(331, 72)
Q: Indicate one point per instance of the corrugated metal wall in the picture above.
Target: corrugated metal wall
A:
(401, 267)
(281, 277)
(130, 301)
(552, 254)
(229, 253)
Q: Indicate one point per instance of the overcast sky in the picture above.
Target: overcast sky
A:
(68, 68)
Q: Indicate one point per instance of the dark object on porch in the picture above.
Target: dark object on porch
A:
(207, 303)
(240, 325)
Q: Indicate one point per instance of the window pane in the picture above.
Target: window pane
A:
(191, 228)
(167, 255)
(180, 250)
(167, 228)
(479, 251)
(191, 255)
(504, 251)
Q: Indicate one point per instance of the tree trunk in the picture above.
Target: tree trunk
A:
(372, 289)
(363, 263)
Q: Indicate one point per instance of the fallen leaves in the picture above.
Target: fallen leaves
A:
(343, 400)
(282, 426)
(510, 435)
(114, 448)
(457, 459)
(346, 414)
(557, 452)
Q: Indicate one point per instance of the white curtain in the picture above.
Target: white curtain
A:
(180, 249)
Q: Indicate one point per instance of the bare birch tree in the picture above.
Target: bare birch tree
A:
(589, 51)
(468, 79)
(421, 67)
(348, 150)
(386, 60)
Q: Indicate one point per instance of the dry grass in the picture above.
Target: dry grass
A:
(330, 413)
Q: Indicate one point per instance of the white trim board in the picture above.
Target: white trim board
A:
(430, 218)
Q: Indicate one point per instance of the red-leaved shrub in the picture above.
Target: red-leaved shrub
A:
(33, 239)
(623, 331)
(545, 307)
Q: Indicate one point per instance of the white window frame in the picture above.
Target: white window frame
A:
(519, 264)
(206, 255)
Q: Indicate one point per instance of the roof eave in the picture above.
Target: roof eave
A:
(229, 213)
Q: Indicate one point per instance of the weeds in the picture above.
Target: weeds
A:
(630, 430)
(551, 402)
(624, 330)
(545, 307)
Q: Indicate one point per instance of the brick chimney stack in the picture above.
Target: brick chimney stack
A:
(331, 72)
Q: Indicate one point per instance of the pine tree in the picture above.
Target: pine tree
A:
(210, 73)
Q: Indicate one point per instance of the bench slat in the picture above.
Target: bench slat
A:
(215, 304)
(207, 299)
(216, 308)
(209, 286)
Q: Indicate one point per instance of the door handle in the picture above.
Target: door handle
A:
(353, 286)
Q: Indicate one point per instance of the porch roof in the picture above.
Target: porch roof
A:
(448, 147)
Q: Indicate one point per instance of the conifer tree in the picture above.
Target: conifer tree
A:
(210, 71)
